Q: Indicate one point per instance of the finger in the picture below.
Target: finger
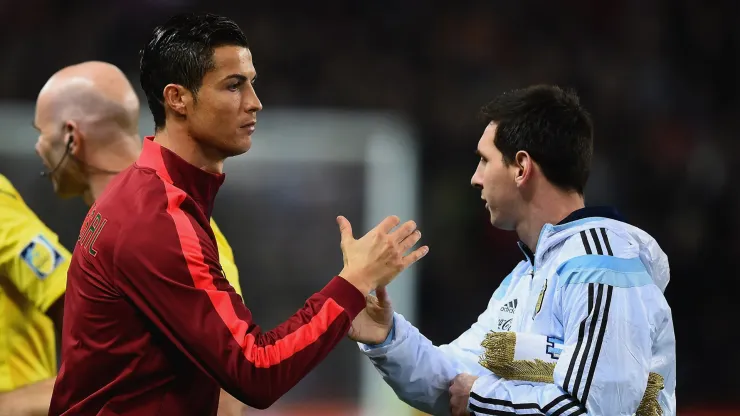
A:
(387, 224)
(415, 256)
(403, 231)
(410, 241)
(345, 228)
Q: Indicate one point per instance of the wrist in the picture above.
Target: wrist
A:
(390, 333)
(388, 338)
(357, 281)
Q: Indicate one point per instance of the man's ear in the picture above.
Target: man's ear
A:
(525, 167)
(177, 98)
(72, 138)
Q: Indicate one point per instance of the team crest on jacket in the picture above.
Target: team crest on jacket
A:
(538, 305)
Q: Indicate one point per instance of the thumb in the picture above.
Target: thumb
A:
(382, 294)
(345, 229)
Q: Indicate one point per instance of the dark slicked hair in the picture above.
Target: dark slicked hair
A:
(550, 124)
(181, 52)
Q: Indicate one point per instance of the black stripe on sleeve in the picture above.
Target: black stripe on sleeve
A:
(569, 403)
(599, 341)
(596, 242)
(565, 409)
(592, 330)
(483, 411)
(555, 403)
(606, 242)
(581, 333)
(585, 242)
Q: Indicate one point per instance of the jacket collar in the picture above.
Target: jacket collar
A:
(200, 185)
(575, 216)
(589, 212)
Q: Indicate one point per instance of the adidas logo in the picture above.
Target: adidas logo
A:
(509, 307)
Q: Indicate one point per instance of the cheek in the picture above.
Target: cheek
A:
(226, 109)
(42, 145)
(44, 150)
(496, 181)
(491, 178)
(216, 111)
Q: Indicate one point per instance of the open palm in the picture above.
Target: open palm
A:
(372, 325)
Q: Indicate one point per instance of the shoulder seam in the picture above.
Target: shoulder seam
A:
(126, 226)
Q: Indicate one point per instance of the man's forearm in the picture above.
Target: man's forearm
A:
(31, 400)
(418, 371)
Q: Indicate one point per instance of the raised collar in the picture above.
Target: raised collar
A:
(577, 215)
(589, 212)
(200, 185)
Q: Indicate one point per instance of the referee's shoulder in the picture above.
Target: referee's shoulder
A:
(7, 190)
(12, 206)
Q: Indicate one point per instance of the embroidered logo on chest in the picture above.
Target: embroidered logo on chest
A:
(507, 315)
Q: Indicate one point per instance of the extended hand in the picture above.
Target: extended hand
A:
(460, 394)
(373, 324)
(378, 257)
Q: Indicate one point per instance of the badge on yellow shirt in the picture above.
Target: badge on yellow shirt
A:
(41, 256)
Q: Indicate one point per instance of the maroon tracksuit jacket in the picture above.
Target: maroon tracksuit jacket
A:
(152, 327)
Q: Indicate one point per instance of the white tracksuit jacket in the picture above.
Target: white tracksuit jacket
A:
(602, 283)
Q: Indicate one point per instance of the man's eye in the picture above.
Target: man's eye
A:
(234, 87)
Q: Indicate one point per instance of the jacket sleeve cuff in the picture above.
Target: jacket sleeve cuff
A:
(346, 295)
(396, 338)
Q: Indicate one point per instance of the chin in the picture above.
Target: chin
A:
(237, 150)
(500, 222)
(237, 146)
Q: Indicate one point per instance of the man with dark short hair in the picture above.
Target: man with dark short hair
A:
(580, 325)
(151, 325)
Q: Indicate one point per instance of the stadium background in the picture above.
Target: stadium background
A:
(661, 78)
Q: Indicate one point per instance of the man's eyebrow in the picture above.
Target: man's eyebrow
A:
(239, 77)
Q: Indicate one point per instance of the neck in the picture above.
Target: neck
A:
(96, 184)
(177, 139)
(549, 208)
(112, 160)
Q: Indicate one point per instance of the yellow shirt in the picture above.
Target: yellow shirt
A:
(33, 275)
(226, 257)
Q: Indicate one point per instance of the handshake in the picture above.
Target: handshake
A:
(372, 262)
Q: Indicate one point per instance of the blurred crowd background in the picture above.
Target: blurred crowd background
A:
(660, 77)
